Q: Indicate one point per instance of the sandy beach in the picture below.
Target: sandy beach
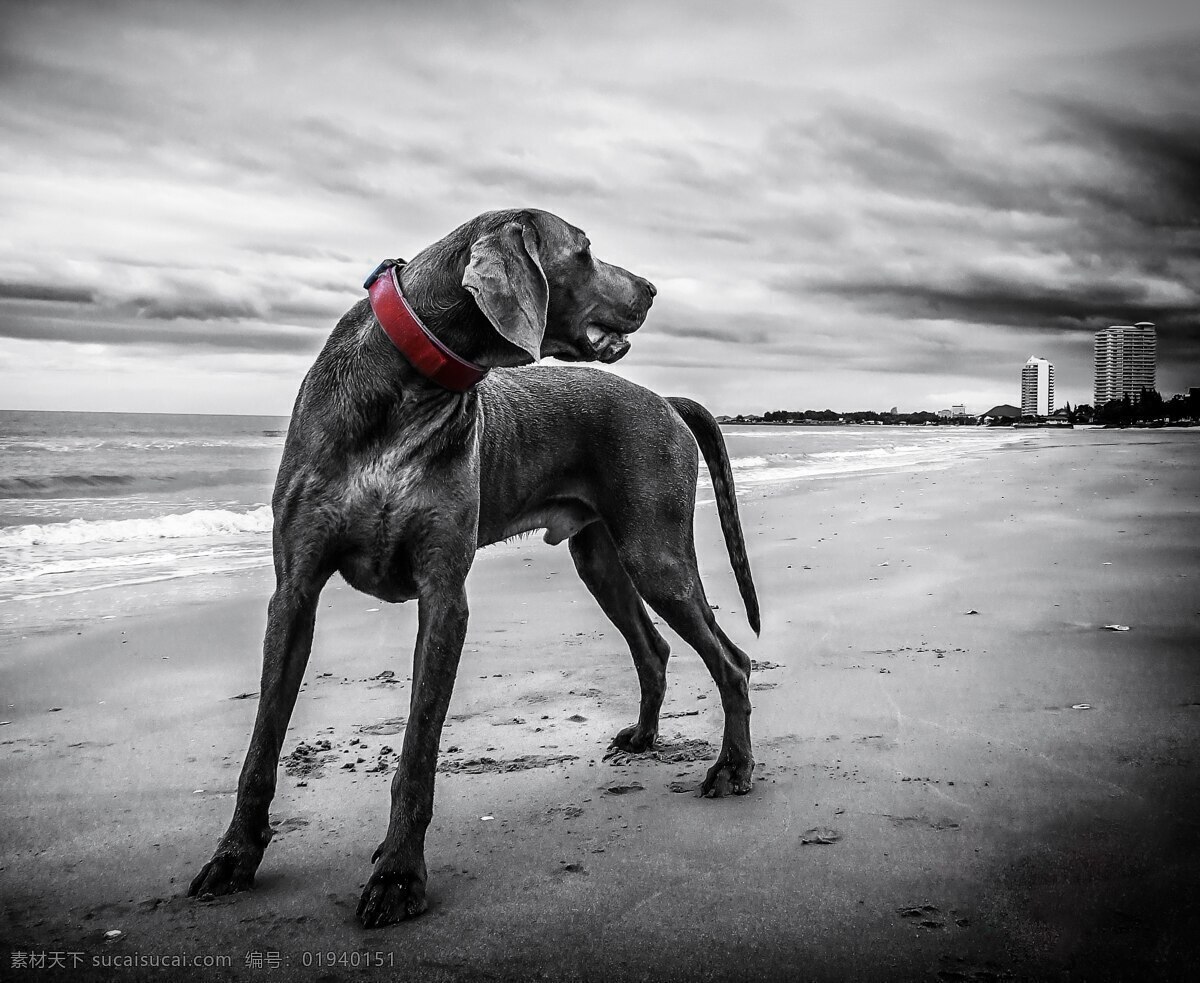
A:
(962, 776)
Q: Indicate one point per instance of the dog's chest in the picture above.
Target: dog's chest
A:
(381, 519)
(385, 479)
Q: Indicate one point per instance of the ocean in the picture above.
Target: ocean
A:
(99, 510)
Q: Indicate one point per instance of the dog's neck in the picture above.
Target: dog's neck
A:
(449, 312)
(417, 345)
(446, 315)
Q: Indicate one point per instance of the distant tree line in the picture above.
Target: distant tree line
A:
(1149, 406)
(858, 416)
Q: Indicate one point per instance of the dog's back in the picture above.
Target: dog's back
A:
(625, 454)
(618, 446)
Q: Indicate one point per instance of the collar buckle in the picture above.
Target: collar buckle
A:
(382, 268)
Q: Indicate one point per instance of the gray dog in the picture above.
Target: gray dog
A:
(405, 454)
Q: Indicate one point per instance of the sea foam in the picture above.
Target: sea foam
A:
(184, 525)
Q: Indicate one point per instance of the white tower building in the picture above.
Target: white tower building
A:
(1037, 387)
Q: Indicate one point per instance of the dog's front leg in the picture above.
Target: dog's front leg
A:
(291, 617)
(396, 889)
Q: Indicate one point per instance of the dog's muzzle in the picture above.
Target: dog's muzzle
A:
(608, 345)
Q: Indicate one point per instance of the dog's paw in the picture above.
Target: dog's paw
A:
(635, 739)
(728, 778)
(390, 897)
(226, 873)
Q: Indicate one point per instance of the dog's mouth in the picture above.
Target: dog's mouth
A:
(607, 343)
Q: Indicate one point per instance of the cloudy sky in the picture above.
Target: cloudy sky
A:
(843, 204)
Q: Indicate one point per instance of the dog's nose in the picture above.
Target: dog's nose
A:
(651, 287)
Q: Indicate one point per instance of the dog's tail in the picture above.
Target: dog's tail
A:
(712, 445)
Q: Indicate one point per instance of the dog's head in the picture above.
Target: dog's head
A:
(534, 278)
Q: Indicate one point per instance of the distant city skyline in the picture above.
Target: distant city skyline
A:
(875, 203)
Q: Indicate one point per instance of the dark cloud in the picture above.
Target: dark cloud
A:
(1166, 66)
(178, 317)
(738, 330)
(80, 95)
(175, 335)
(1157, 158)
(858, 142)
(46, 292)
(979, 298)
(188, 309)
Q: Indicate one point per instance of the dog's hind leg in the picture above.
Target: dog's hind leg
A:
(291, 618)
(667, 577)
(600, 568)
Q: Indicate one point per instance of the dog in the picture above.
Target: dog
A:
(418, 436)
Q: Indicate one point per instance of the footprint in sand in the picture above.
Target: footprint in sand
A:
(484, 765)
(289, 825)
(928, 916)
(945, 822)
(393, 725)
(923, 915)
(624, 789)
(675, 751)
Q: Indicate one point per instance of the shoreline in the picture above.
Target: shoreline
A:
(163, 551)
(984, 825)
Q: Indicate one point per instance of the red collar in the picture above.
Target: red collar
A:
(426, 354)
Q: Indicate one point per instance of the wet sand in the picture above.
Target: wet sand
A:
(961, 776)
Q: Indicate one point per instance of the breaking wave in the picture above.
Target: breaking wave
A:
(186, 525)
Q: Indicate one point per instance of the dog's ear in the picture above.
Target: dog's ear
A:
(505, 277)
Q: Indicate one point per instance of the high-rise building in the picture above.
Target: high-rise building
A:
(1037, 387)
(1125, 358)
